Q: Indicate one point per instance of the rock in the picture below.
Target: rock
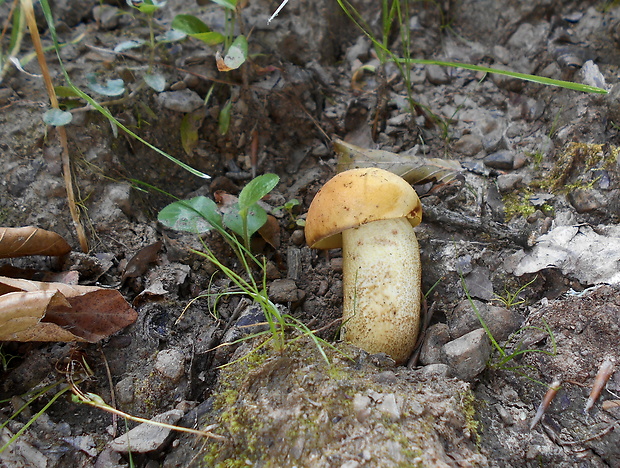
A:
(359, 50)
(467, 356)
(180, 101)
(125, 391)
(508, 182)
(468, 145)
(586, 200)
(298, 237)
(171, 364)
(107, 16)
(519, 161)
(146, 437)
(500, 320)
(493, 141)
(285, 290)
(478, 283)
(436, 336)
(437, 75)
(503, 160)
(434, 371)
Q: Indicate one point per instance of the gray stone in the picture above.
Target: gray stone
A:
(436, 336)
(469, 145)
(125, 391)
(467, 356)
(171, 364)
(478, 283)
(285, 290)
(185, 100)
(503, 160)
(435, 371)
(508, 182)
(146, 437)
(586, 200)
(500, 320)
(437, 75)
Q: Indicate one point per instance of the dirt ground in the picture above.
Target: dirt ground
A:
(529, 227)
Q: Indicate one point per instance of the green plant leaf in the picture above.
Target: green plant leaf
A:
(257, 189)
(223, 123)
(57, 117)
(111, 88)
(229, 4)
(194, 27)
(155, 81)
(189, 130)
(235, 57)
(189, 24)
(65, 92)
(256, 218)
(196, 215)
(146, 6)
(126, 45)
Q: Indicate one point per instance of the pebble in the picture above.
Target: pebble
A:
(500, 320)
(285, 290)
(436, 336)
(478, 282)
(146, 437)
(184, 100)
(586, 200)
(298, 237)
(509, 182)
(107, 16)
(437, 75)
(520, 160)
(434, 371)
(171, 364)
(467, 356)
(493, 141)
(468, 145)
(502, 160)
(125, 391)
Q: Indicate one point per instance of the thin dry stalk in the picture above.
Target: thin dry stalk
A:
(28, 13)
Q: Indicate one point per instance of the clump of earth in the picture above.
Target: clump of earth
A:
(523, 241)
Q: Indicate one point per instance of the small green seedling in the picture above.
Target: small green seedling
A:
(289, 207)
(201, 214)
(512, 299)
(505, 357)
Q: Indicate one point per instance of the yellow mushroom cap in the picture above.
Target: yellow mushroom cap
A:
(356, 197)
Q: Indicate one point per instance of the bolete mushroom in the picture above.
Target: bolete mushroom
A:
(371, 213)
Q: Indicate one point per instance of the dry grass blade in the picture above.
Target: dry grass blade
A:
(30, 240)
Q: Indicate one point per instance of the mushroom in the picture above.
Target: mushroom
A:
(371, 213)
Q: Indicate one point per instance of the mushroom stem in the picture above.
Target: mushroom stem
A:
(382, 287)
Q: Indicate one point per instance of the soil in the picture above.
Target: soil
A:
(534, 159)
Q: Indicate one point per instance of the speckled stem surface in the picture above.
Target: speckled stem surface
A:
(382, 287)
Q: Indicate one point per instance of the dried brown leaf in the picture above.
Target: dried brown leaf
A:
(414, 169)
(33, 311)
(30, 240)
(138, 264)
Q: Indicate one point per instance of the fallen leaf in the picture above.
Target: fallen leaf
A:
(34, 311)
(270, 231)
(30, 240)
(414, 169)
(138, 264)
